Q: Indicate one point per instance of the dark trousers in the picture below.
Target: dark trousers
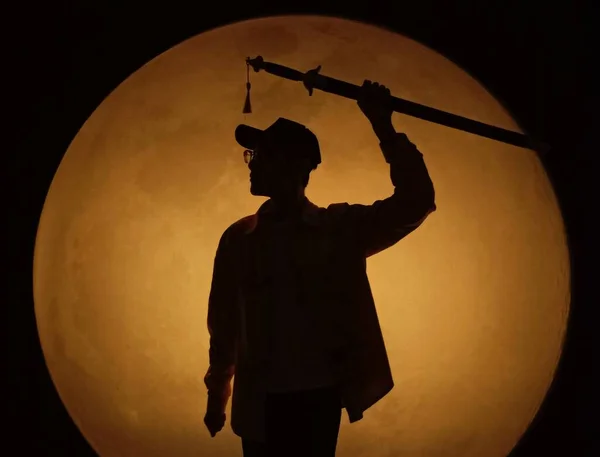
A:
(299, 424)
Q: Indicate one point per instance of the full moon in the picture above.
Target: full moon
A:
(473, 305)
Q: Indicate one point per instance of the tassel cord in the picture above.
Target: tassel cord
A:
(247, 106)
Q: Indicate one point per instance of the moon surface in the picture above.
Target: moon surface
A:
(473, 305)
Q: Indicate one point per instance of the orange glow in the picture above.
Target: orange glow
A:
(473, 305)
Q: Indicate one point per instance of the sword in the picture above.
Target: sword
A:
(312, 79)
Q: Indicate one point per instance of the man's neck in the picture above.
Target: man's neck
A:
(287, 205)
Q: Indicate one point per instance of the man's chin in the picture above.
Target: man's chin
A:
(257, 191)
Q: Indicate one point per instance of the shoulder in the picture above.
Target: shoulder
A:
(232, 236)
(239, 227)
(336, 211)
(334, 208)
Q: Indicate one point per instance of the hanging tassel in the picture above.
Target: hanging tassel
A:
(247, 106)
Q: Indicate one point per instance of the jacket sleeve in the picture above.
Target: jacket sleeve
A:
(382, 224)
(222, 328)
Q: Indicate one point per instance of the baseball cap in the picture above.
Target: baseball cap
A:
(287, 135)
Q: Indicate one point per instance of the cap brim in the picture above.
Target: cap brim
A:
(248, 137)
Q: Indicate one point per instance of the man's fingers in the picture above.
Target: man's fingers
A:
(214, 424)
(373, 87)
(214, 430)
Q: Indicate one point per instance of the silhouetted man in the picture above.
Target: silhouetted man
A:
(290, 309)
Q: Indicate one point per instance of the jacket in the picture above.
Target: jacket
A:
(330, 255)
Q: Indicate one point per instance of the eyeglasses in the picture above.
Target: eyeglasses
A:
(249, 155)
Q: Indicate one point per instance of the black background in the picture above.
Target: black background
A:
(60, 59)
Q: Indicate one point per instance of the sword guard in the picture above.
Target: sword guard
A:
(256, 63)
(310, 78)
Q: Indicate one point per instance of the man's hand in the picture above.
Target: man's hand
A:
(215, 410)
(214, 422)
(375, 101)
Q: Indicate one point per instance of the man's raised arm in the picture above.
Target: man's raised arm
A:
(381, 225)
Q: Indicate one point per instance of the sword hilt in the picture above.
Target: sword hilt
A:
(258, 63)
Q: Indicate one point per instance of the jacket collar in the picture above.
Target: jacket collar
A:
(310, 214)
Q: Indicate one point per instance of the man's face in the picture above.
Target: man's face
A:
(272, 172)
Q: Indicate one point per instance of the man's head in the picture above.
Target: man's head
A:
(280, 157)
